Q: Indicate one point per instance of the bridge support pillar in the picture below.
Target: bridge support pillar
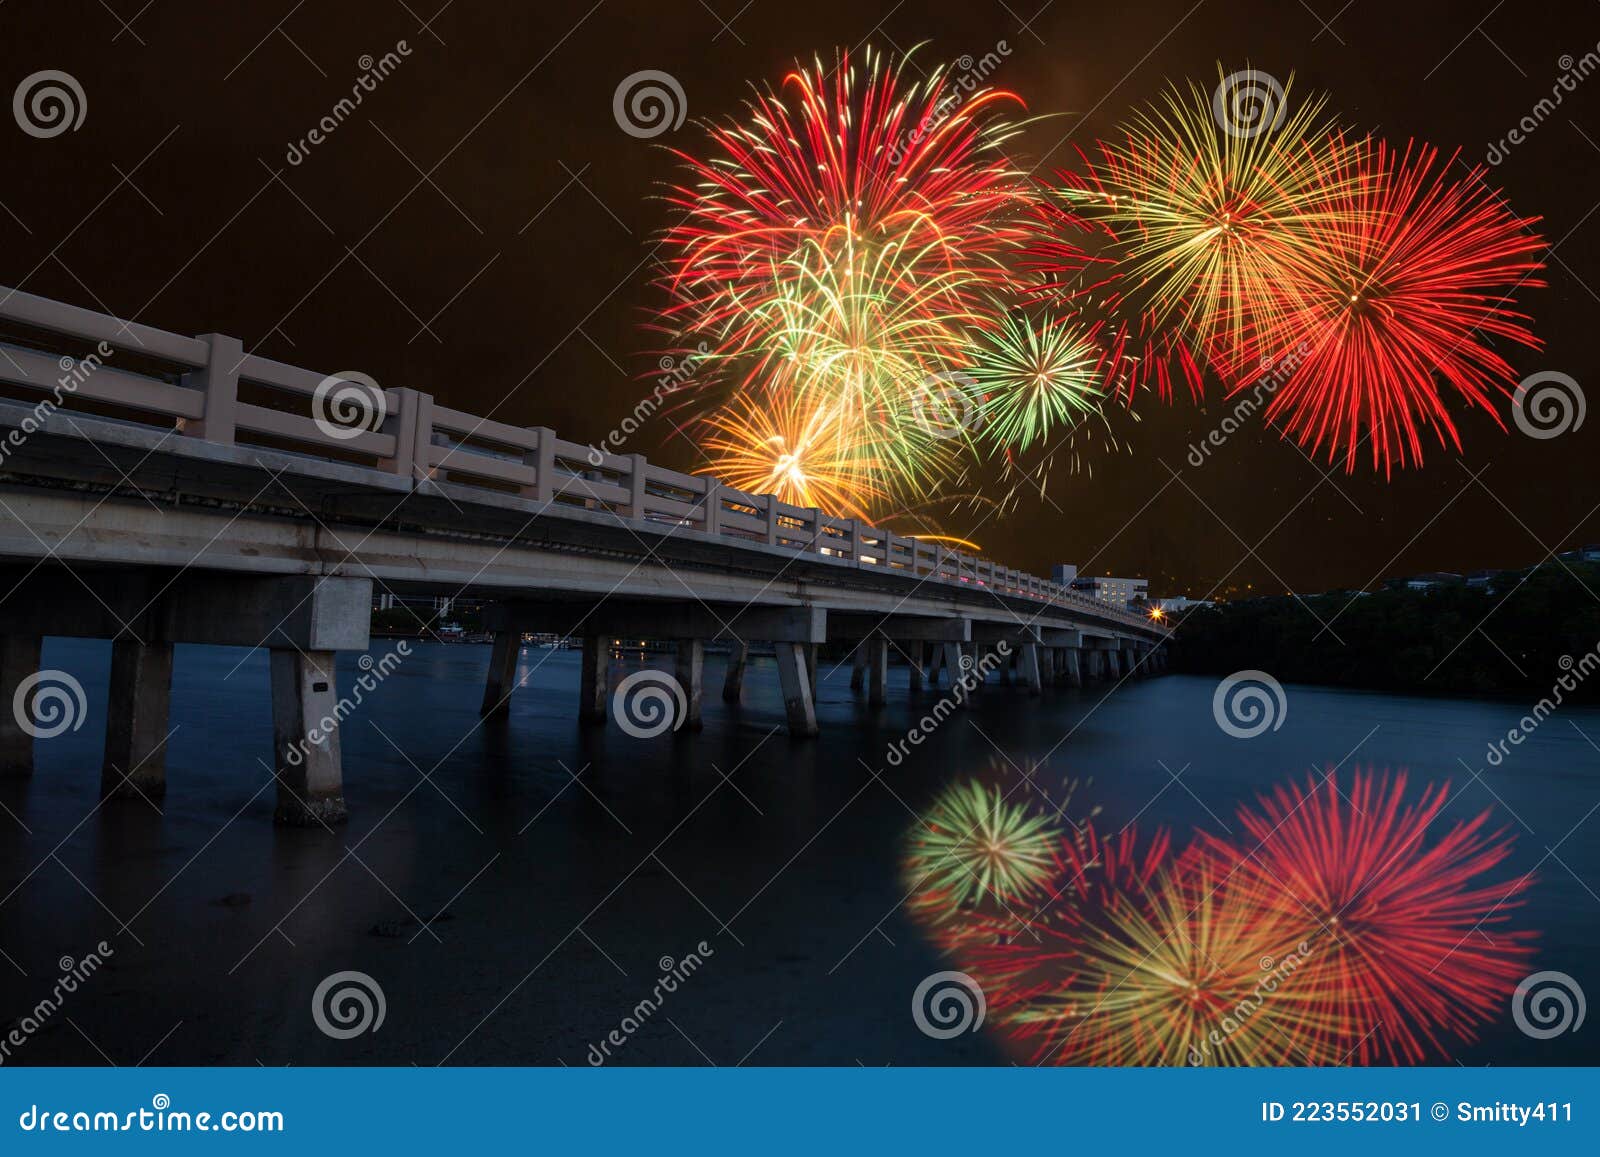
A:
(733, 679)
(1130, 662)
(950, 662)
(502, 677)
(1047, 666)
(810, 653)
(136, 720)
(690, 672)
(877, 671)
(795, 674)
(305, 739)
(916, 654)
(19, 658)
(1028, 667)
(859, 660)
(1113, 668)
(592, 679)
(1072, 666)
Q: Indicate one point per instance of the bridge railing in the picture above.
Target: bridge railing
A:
(209, 387)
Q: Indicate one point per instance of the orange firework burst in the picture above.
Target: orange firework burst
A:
(795, 449)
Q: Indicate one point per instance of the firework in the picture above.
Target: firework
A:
(1038, 379)
(799, 452)
(976, 848)
(835, 248)
(860, 146)
(1188, 222)
(1181, 975)
(1417, 288)
(1409, 942)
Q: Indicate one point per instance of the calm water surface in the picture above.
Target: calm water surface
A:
(561, 865)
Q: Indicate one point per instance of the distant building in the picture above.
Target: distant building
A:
(1172, 604)
(1116, 592)
(1428, 581)
(1063, 573)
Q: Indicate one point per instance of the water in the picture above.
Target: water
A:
(565, 863)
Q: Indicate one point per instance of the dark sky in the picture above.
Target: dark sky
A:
(477, 229)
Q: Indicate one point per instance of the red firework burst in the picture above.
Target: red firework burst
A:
(860, 149)
(1409, 944)
(1419, 272)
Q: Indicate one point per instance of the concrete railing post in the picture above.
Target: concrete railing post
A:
(711, 516)
(638, 477)
(543, 460)
(219, 381)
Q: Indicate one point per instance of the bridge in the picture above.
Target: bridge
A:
(175, 489)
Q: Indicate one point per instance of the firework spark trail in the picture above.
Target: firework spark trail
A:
(1406, 933)
(837, 244)
(1184, 228)
(1412, 290)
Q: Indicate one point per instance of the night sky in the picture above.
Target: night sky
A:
(481, 228)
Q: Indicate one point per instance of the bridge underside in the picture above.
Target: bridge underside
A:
(150, 540)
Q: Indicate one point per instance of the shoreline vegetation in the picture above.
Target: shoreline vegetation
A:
(1513, 633)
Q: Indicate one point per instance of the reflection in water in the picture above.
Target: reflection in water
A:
(1335, 924)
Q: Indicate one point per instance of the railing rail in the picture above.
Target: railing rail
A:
(194, 384)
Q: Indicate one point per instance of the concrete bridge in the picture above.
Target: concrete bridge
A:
(157, 489)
